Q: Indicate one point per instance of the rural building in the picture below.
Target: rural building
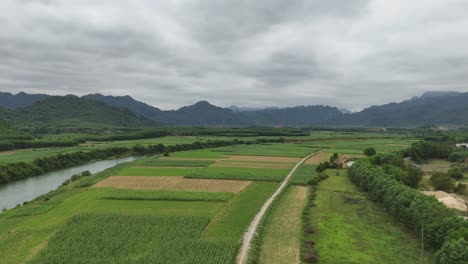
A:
(462, 145)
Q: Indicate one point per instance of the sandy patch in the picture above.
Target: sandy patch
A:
(234, 164)
(318, 158)
(448, 199)
(264, 159)
(173, 183)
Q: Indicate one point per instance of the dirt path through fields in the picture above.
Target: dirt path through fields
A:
(244, 250)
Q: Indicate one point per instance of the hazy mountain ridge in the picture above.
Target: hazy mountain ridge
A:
(431, 108)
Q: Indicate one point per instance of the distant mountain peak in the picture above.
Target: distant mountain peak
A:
(431, 94)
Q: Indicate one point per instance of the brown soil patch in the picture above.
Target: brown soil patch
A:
(448, 199)
(264, 159)
(173, 183)
(318, 158)
(234, 164)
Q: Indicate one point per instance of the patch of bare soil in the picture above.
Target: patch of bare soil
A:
(449, 199)
(173, 183)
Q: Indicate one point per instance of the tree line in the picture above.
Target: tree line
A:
(19, 170)
(444, 230)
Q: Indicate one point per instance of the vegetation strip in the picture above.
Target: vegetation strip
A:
(282, 233)
(168, 195)
(243, 253)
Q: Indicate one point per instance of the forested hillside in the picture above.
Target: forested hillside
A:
(71, 111)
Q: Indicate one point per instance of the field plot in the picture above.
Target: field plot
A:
(303, 174)
(140, 239)
(280, 244)
(351, 229)
(269, 159)
(248, 174)
(175, 162)
(164, 195)
(198, 154)
(436, 165)
(173, 183)
(232, 221)
(154, 171)
(318, 158)
(274, 149)
(246, 164)
(357, 146)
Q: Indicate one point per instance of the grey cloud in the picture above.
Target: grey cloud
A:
(260, 53)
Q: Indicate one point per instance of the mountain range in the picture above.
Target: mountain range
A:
(432, 108)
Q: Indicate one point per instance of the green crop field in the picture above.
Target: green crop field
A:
(154, 171)
(232, 220)
(155, 195)
(351, 229)
(277, 149)
(253, 174)
(176, 163)
(303, 174)
(135, 239)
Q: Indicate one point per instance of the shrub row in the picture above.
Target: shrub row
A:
(444, 230)
(308, 253)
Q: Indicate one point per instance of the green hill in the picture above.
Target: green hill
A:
(72, 111)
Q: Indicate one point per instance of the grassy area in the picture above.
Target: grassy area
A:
(155, 195)
(303, 174)
(154, 171)
(140, 239)
(175, 162)
(280, 244)
(356, 146)
(198, 154)
(232, 221)
(254, 174)
(351, 229)
(275, 149)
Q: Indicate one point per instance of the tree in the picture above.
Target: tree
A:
(369, 151)
(456, 173)
(453, 252)
(442, 181)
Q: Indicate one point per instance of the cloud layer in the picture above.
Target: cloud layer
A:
(251, 53)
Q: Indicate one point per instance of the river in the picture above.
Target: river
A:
(27, 189)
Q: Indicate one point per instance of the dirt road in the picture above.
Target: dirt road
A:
(244, 250)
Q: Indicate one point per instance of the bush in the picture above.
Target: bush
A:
(460, 188)
(442, 181)
(369, 151)
(453, 252)
(456, 173)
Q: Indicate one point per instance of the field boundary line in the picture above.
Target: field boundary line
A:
(248, 236)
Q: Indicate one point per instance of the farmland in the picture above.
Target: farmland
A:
(194, 207)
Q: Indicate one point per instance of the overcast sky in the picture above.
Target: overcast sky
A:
(345, 53)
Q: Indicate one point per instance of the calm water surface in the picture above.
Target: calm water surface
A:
(27, 189)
